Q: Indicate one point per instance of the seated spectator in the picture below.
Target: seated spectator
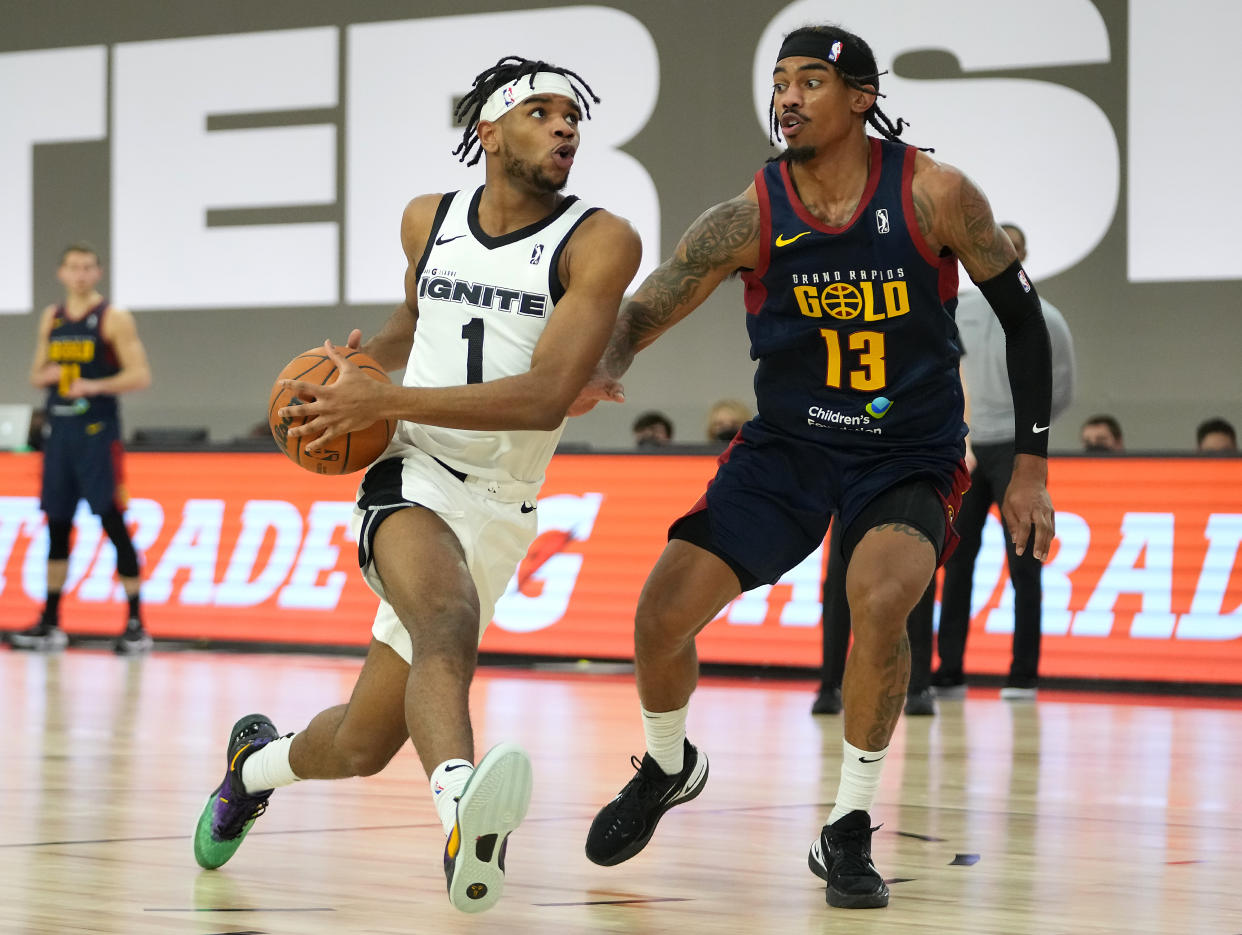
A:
(1101, 434)
(652, 429)
(1216, 436)
(725, 418)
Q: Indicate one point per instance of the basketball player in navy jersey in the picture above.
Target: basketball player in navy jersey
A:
(511, 293)
(847, 247)
(86, 354)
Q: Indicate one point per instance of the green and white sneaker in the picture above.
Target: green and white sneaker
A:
(491, 806)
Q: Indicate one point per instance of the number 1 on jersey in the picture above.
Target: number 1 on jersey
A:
(472, 334)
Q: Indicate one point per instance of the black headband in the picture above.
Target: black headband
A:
(837, 50)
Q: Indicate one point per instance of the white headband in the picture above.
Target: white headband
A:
(512, 94)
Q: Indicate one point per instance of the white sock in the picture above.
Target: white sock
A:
(665, 732)
(860, 778)
(268, 767)
(447, 782)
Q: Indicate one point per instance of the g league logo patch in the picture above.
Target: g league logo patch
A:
(881, 220)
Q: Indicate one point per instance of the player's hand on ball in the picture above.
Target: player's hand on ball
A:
(350, 403)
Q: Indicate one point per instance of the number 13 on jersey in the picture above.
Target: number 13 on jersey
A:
(871, 375)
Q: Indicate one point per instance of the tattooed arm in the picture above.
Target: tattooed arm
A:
(952, 212)
(723, 239)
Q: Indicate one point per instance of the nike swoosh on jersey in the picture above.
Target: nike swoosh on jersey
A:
(783, 241)
(441, 241)
(1037, 428)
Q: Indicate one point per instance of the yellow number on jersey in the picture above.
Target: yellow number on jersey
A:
(873, 376)
(68, 373)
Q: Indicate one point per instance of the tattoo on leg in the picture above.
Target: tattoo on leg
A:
(895, 678)
(905, 530)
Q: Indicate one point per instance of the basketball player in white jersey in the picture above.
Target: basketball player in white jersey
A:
(511, 293)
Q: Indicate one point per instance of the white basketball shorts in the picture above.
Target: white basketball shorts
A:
(494, 522)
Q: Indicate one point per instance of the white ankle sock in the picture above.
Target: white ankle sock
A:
(665, 732)
(860, 778)
(447, 782)
(268, 767)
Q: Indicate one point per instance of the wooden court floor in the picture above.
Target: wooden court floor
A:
(1075, 814)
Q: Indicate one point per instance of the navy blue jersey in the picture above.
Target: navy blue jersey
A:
(82, 351)
(853, 326)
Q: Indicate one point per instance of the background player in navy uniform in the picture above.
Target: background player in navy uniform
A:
(514, 290)
(847, 247)
(991, 430)
(86, 354)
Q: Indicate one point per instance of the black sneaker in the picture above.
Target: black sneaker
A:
(921, 703)
(842, 857)
(134, 640)
(230, 810)
(43, 637)
(828, 701)
(625, 825)
(948, 684)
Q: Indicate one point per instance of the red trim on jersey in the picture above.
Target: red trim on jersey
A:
(701, 503)
(106, 346)
(907, 208)
(952, 507)
(765, 223)
(873, 182)
(756, 293)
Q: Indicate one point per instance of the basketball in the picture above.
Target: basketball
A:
(345, 453)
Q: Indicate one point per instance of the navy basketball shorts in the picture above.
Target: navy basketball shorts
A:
(82, 460)
(773, 495)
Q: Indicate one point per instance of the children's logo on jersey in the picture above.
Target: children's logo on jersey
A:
(536, 254)
(822, 418)
(881, 220)
(1026, 283)
(90, 320)
(878, 408)
(835, 52)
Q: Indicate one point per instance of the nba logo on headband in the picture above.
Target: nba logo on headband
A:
(510, 95)
(835, 52)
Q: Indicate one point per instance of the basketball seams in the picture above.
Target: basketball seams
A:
(369, 437)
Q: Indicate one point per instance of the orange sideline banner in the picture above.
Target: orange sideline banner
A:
(1144, 581)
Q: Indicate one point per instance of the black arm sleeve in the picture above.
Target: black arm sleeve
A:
(1028, 354)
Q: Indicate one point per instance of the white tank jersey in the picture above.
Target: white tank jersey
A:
(483, 303)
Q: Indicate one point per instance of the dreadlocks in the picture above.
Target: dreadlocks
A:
(854, 62)
(506, 71)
